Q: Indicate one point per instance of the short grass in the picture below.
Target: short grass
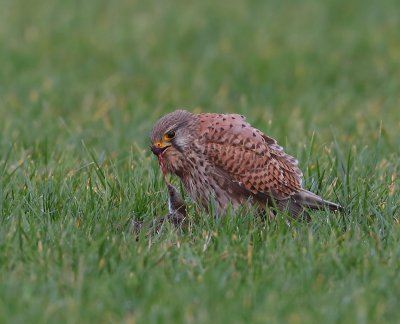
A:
(81, 83)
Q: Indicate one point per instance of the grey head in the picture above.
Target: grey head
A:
(172, 129)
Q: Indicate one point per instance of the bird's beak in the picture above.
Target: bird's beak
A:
(159, 147)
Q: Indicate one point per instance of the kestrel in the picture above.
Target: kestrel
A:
(221, 158)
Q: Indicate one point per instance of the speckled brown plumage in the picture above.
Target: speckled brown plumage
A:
(222, 158)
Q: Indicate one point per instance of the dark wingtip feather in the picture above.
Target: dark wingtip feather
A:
(308, 199)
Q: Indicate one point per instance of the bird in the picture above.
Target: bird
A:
(223, 161)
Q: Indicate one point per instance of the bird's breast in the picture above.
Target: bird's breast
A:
(177, 163)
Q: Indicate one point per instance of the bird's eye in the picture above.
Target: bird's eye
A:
(170, 135)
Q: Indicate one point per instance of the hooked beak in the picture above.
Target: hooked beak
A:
(159, 148)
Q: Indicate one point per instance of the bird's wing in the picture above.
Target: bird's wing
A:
(248, 156)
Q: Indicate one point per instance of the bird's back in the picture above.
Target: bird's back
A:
(249, 163)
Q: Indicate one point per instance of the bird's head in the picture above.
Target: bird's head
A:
(171, 133)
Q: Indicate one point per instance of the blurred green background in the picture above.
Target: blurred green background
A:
(82, 82)
(120, 65)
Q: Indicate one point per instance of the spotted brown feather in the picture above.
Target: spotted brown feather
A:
(248, 156)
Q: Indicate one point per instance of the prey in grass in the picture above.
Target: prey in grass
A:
(176, 214)
(176, 209)
(176, 204)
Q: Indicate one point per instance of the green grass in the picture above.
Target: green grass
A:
(82, 82)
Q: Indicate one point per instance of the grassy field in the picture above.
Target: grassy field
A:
(82, 82)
